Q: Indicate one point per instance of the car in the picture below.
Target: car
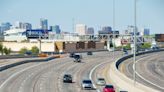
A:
(71, 55)
(67, 78)
(87, 84)
(89, 53)
(108, 88)
(101, 82)
(77, 58)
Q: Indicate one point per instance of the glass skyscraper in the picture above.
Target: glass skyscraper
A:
(44, 24)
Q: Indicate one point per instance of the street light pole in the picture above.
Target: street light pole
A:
(113, 28)
(134, 52)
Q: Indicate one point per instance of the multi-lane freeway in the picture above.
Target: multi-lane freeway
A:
(149, 70)
(47, 76)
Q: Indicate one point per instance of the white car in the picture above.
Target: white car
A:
(87, 84)
(101, 81)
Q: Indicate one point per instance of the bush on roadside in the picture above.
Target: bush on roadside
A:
(23, 50)
(35, 50)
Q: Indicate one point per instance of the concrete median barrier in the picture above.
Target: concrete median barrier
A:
(26, 61)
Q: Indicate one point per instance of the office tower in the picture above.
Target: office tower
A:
(5, 26)
(18, 25)
(145, 32)
(130, 30)
(90, 30)
(27, 26)
(81, 29)
(55, 29)
(44, 24)
(107, 29)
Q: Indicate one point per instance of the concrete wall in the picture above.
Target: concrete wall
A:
(51, 46)
(15, 46)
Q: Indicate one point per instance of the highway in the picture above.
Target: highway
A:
(149, 70)
(47, 76)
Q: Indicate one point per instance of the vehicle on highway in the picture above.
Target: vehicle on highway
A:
(101, 82)
(87, 84)
(71, 55)
(108, 88)
(67, 78)
(89, 53)
(77, 58)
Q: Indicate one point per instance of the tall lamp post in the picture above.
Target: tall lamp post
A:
(134, 50)
(113, 28)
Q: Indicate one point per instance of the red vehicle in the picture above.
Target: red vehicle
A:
(108, 88)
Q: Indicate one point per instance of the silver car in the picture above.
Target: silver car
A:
(87, 84)
(101, 81)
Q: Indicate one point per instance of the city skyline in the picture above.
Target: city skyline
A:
(68, 13)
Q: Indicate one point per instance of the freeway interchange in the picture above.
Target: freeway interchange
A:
(48, 76)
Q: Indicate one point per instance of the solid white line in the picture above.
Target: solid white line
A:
(15, 74)
(91, 72)
(143, 77)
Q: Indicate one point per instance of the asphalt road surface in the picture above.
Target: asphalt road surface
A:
(47, 76)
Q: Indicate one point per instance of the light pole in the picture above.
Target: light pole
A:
(113, 28)
(134, 50)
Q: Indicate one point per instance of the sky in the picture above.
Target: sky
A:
(93, 13)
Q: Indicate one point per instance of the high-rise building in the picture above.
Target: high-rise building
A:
(90, 30)
(44, 24)
(5, 26)
(21, 25)
(27, 26)
(18, 25)
(145, 32)
(130, 30)
(107, 29)
(55, 29)
(81, 29)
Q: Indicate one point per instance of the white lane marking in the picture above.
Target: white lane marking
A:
(143, 77)
(15, 74)
(91, 72)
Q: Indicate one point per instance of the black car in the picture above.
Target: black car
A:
(71, 55)
(67, 78)
(89, 53)
(77, 58)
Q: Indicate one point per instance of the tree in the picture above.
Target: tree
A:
(6, 51)
(146, 45)
(1, 48)
(23, 50)
(35, 50)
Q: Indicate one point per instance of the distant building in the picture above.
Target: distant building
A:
(5, 26)
(21, 25)
(27, 26)
(130, 30)
(90, 30)
(44, 24)
(81, 29)
(105, 30)
(145, 32)
(56, 29)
